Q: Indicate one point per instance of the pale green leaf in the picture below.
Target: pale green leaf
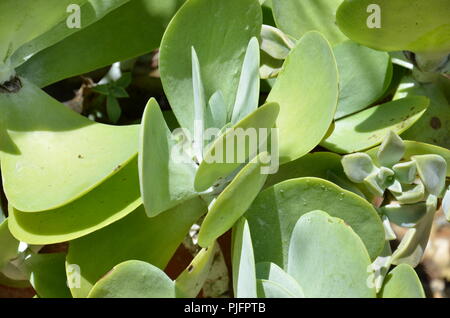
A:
(307, 92)
(134, 279)
(243, 261)
(328, 258)
(369, 127)
(220, 45)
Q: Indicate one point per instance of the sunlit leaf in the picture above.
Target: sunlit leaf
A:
(307, 92)
(51, 156)
(243, 261)
(189, 283)
(111, 201)
(296, 17)
(153, 240)
(364, 75)
(134, 279)
(387, 24)
(234, 200)
(231, 149)
(166, 173)
(220, 45)
(369, 127)
(145, 22)
(402, 282)
(328, 259)
(275, 212)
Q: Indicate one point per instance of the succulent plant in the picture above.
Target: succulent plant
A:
(283, 129)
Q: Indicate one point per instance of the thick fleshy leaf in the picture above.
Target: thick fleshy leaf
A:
(358, 166)
(382, 263)
(431, 169)
(138, 237)
(166, 173)
(9, 243)
(243, 261)
(217, 162)
(271, 272)
(24, 21)
(296, 17)
(364, 76)
(134, 279)
(402, 282)
(369, 127)
(220, 32)
(274, 213)
(189, 283)
(50, 155)
(414, 148)
(405, 215)
(275, 43)
(307, 102)
(388, 25)
(247, 95)
(328, 258)
(414, 242)
(234, 200)
(112, 200)
(411, 194)
(391, 150)
(48, 275)
(405, 172)
(105, 46)
(433, 126)
(89, 12)
(379, 180)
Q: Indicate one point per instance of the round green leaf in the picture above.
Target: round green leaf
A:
(296, 17)
(134, 279)
(138, 237)
(369, 127)
(307, 92)
(364, 76)
(107, 203)
(402, 282)
(220, 32)
(232, 203)
(275, 212)
(396, 25)
(328, 259)
(48, 275)
(50, 155)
